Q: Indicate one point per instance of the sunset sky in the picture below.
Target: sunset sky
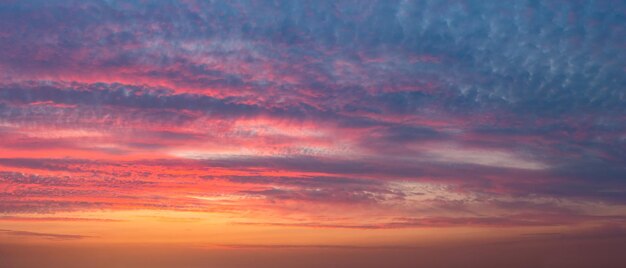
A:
(448, 133)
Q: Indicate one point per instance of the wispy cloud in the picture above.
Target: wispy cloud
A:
(43, 235)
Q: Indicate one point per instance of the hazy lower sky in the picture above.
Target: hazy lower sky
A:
(448, 133)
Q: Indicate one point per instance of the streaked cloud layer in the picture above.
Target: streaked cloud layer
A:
(363, 115)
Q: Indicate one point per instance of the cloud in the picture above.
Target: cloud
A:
(477, 105)
(519, 220)
(319, 246)
(53, 219)
(48, 236)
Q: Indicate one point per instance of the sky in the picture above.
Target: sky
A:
(313, 133)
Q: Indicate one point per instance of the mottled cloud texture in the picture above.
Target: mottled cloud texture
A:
(320, 114)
